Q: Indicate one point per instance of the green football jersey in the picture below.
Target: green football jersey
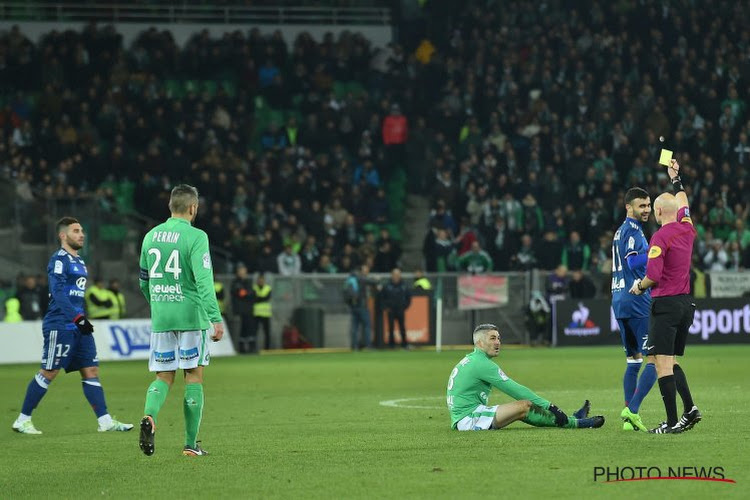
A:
(177, 278)
(472, 380)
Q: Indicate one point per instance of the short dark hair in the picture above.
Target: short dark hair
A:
(66, 221)
(181, 198)
(634, 193)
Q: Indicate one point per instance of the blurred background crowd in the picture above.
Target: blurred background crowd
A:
(523, 123)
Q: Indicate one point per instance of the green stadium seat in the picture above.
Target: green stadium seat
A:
(113, 232)
(210, 86)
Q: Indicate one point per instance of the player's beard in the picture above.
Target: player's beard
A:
(73, 244)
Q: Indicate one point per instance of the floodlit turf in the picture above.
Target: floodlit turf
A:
(314, 426)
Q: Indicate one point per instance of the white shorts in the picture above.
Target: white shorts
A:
(478, 420)
(170, 351)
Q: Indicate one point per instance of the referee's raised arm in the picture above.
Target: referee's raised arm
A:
(674, 176)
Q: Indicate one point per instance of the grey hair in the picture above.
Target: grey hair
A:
(181, 198)
(480, 332)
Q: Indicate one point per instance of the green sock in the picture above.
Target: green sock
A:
(155, 397)
(539, 417)
(193, 409)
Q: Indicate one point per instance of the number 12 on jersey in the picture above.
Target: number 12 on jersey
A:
(172, 265)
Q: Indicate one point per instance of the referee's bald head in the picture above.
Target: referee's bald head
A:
(665, 208)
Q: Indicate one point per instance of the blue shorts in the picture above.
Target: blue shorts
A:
(68, 349)
(634, 335)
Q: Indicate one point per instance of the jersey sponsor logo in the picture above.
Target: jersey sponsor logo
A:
(166, 293)
(581, 325)
(631, 243)
(81, 283)
(164, 357)
(58, 267)
(206, 260)
(654, 252)
(502, 374)
(188, 354)
(76, 293)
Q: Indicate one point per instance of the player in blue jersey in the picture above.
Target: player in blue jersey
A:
(68, 339)
(629, 257)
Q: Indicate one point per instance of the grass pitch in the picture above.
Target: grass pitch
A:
(373, 425)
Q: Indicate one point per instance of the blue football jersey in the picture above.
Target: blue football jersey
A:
(67, 285)
(629, 240)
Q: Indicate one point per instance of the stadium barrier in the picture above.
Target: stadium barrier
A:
(499, 298)
(592, 322)
(116, 340)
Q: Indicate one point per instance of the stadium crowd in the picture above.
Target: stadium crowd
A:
(537, 118)
(524, 123)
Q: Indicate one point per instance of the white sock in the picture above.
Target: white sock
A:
(105, 420)
(23, 418)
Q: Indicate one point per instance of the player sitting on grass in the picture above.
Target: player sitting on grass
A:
(472, 380)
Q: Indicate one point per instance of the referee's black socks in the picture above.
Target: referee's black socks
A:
(682, 388)
(668, 389)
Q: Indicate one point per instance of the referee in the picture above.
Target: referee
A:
(672, 307)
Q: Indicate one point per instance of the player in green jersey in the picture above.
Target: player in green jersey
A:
(178, 281)
(472, 380)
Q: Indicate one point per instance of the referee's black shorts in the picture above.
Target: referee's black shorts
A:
(669, 324)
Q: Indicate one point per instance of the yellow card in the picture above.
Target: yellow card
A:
(665, 158)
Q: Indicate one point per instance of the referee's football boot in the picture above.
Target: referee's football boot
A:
(583, 412)
(689, 419)
(664, 428)
(25, 427)
(146, 441)
(194, 451)
(628, 417)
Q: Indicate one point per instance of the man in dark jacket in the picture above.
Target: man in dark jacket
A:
(242, 306)
(396, 299)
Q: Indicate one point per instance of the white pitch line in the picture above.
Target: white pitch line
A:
(398, 403)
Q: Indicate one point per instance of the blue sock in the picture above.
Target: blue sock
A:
(630, 379)
(34, 393)
(645, 383)
(93, 391)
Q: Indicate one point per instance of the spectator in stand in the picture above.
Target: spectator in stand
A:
(395, 132)
(325, 266)
(716, 258)
(501, 244)
(309, 255)
(549, 251)
(465, 238)
(740, 234)
(576, 254)
(581, 286)
(288, 262)
(441, 217)
(475, 261)
(525, 258)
